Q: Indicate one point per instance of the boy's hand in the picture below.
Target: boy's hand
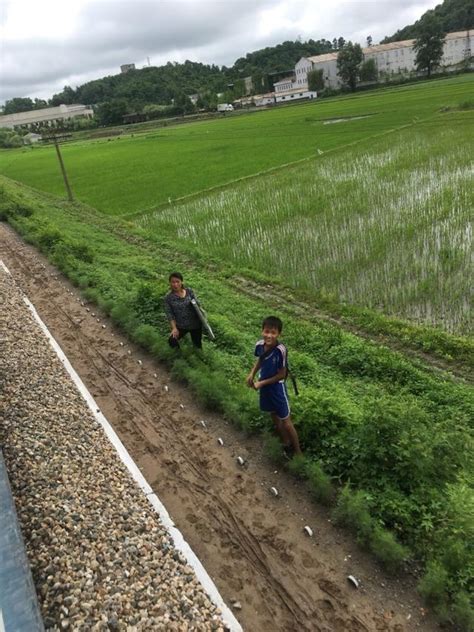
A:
(257, 385)
(249, 381)
(175, 332)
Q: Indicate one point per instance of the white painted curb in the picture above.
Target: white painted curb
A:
(177, 537)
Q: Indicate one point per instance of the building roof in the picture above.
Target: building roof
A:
(325, 57)
(457, 34)
(380, 48)
(285, 80)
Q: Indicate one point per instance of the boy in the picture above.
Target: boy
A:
(271, 363)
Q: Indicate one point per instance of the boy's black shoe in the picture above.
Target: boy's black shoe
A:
(288, 452)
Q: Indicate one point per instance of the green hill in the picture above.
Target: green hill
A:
(454, 15)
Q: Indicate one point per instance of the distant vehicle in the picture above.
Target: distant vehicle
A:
(225, 107)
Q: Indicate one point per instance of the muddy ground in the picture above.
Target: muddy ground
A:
(252, 543)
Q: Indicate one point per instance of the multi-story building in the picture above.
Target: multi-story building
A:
(51, 117)
(287, 89)
(391, 59)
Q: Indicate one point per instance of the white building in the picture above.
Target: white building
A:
(45, 116)
(288, 90)
(458, 48)
(393, 58)
(327, 63)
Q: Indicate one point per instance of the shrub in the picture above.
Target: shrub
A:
(352, 511)
(434, 583)
(48, 238)
(319, 482)
(297, 466)
(386, 549)
(273, 448)
(463, 611)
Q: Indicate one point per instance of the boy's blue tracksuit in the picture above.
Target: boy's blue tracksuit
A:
(273, 398)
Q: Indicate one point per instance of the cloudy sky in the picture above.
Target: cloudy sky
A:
(47, 44)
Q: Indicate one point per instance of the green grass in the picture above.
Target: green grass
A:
(128, 174)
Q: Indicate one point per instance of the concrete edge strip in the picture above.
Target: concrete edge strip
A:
(177, 537)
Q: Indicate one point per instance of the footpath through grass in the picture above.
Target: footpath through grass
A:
(390, 439)
(128, 174)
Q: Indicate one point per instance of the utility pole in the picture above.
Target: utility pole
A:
(63, 169)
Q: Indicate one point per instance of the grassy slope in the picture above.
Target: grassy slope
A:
(400, 434)
(135, 173)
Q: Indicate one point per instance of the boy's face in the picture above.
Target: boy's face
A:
(270, 335)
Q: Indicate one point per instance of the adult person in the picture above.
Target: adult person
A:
(181, 313)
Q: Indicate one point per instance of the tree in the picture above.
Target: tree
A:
(369, 41)
(18, 104)
(67, 96)
(111, 112)
(9, 138)
(368, 70)
(316, 80)
(340, 43)
(429, 44)
(40, 104)
(349, 60)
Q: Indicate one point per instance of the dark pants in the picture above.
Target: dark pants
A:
(196, 337)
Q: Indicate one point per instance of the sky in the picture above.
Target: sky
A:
(48, 44)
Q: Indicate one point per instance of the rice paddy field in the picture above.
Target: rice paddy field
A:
(361, 205)
(387, 226)
(128, 174)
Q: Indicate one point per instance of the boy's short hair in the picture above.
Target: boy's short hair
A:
(175, 275)
(273, 322)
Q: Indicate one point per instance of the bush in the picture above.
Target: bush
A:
(463, 611)
(386, 549)
(297, 466)
(352, 511)
(273, 448)
(319, 482)
(48, 238)
(434, 583)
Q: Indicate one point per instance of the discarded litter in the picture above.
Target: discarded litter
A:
(140, 362)
(203, 423)
(309, 531)
(240, 460)
(121, 344)
(181, 406)
(351, 579)
(274, 491)
(104, 326)
(220, 441)
(166, 389)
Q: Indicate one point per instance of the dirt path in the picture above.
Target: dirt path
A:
(251, 543)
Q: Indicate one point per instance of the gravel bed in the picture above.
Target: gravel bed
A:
(100, 558)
